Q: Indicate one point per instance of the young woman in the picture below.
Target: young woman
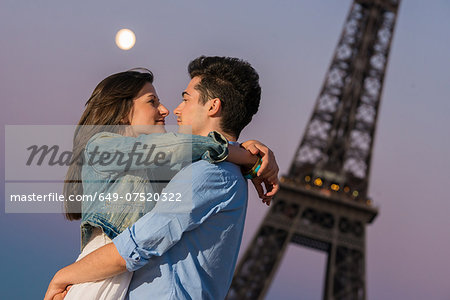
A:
(123, 123)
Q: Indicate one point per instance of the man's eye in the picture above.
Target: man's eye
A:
(151, 101)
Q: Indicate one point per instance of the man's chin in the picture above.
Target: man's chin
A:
(186, 129)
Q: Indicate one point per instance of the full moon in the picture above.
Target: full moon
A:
(125, 39)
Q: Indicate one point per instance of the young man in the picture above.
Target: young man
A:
(188, 249)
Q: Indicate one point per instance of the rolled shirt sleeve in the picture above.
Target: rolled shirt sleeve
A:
(128, 249)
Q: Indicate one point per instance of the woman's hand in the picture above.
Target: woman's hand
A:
(268, 173)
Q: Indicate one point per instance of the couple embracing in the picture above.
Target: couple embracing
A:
(184, 249)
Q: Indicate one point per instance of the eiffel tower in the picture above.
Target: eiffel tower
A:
(323, 202)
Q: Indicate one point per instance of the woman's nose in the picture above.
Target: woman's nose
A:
(163, 110)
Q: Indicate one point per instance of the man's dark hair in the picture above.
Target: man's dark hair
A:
(234, 82)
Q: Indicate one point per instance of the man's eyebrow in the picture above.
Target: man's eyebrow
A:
(184, 93)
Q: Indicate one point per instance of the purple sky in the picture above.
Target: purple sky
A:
(53, 54)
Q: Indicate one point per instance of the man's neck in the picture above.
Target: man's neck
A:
(230, 138)
(226, 135)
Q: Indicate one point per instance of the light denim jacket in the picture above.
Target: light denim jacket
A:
(112, 186)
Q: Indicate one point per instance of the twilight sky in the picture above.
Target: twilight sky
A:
(53, 54)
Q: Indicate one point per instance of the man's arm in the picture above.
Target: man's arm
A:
(157, 231)
(160, 229)
(103, 263)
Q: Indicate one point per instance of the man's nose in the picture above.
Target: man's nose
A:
(177, 110)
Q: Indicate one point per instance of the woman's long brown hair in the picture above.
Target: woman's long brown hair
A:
(109, 105)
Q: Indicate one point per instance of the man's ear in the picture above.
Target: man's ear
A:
(215, 105)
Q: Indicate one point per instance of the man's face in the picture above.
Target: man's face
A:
(190, 111)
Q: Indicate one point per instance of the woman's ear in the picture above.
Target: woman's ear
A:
(124, 121)
(215, 106)
(127, 119)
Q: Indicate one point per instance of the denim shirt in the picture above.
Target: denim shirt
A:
(115, 188)
(188, 249)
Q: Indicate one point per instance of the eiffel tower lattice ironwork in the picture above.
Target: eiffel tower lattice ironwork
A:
(323, 202)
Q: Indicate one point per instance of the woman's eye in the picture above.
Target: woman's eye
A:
(151, 101)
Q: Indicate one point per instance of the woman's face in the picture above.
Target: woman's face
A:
(147, 110)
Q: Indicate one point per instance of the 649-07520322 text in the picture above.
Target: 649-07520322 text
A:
(130, 197)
